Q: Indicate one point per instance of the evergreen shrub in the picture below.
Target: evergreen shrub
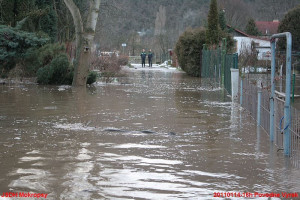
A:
(57, 72)
(189, 50)
(14, 44)
(37, 58)
(290, 23)
(92, 77)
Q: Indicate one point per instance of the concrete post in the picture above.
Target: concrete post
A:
(258, 106)
(234, 83)
(241, 95)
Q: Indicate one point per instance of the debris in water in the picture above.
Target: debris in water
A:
(148, 132)
(114, 130)
(171, 133)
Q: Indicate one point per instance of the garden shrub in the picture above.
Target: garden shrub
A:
(57, 72)
(44, 75)
(92, 77)
(189, 49)
(61, 68)
(37, 58)
(106, 64)
(14, 44)
(123, 60)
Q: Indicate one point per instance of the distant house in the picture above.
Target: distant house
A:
(267, 28)
(243, 42)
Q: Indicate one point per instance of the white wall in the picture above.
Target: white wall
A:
(264, 46)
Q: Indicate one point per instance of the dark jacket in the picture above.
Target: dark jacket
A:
(150, 55)
(143, 55)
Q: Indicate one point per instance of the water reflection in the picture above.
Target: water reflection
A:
(152, 135)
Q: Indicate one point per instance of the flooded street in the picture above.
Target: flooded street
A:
(151, 135)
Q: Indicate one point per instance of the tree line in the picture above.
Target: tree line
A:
(26, 26)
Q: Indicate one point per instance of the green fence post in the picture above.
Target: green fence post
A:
(224, 44)
(204, 57)
(236, 61)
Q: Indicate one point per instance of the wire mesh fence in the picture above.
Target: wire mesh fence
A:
(250, 101)
(212, 66)
(295, 135)
(279, 113)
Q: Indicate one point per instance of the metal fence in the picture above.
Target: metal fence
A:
(249, 94)
(249, 101)
(218, 69)
(211, 64)
(294, 128)
(295, 136)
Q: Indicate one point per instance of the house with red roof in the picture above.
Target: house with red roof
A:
(243, 42)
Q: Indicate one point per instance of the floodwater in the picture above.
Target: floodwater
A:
(151, 135)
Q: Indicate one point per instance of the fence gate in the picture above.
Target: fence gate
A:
(287, 105)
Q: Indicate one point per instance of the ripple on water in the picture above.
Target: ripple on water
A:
(84, 154)
(77, 184)
(33, 179)
(74, 127)
(138, 159)
(50, 108)
(214, 175)
(218, 104)
(34, 152)
(138, 146)
(161, 185)
(30, 159)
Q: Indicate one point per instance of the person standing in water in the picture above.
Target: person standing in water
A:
(143, 57)
(150, 55)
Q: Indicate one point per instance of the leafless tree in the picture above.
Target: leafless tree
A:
(269, 10)
(237, 12)
(84, 38)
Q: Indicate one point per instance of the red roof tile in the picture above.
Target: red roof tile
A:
(267, 28)
(247, 35)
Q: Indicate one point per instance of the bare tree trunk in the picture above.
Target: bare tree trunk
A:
(84, 39)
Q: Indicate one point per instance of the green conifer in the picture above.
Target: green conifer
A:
(213, 29)
(222, 20)
(290, 23)
(251, 28)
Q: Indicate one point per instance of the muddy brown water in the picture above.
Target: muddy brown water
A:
(151, 135)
